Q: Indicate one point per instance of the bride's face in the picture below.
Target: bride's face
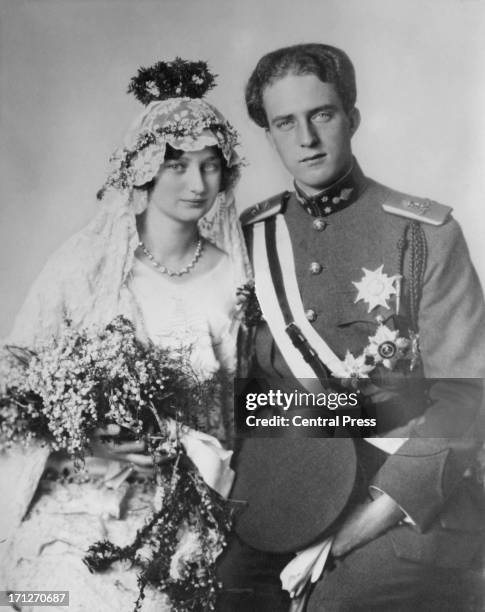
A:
(187, 184)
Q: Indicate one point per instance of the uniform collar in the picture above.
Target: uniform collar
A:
(337, 196)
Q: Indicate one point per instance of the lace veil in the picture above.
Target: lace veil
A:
(83, 280)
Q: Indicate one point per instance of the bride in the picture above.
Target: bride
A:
(164, 251)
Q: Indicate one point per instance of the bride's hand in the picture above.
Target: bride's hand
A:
(133, 452)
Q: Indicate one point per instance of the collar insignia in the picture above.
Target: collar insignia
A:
(335, 197)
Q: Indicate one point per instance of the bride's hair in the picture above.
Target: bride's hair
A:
(229, 175)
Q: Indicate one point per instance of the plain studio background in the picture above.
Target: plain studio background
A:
(65, 66)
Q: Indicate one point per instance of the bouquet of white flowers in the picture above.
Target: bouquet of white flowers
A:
(66, 390)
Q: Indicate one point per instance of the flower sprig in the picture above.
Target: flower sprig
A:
(248, 304)
(177, 548)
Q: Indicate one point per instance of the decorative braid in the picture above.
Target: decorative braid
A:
(402, 245)
(417, 267)
(413, 238)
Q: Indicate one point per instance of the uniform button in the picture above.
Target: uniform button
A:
(311, 315)
(315, 267)
(336, 200)
(324, 199)
(319, 224)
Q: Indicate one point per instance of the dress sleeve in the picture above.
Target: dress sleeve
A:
(225, 321)
(226, 348)
(20, 472)
(425, 470)
(43, 309)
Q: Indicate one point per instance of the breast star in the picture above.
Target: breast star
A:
(375, 288)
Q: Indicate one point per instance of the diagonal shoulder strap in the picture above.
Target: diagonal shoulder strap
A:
(293, 331)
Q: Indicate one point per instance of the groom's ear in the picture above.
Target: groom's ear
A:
(354, 118)
(269, 137)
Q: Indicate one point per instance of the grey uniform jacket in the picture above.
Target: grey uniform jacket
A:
(432, 475)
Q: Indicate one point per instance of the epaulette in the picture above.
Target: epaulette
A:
(264, 209)
(418, 209)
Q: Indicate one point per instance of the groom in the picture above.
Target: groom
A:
(386, 281)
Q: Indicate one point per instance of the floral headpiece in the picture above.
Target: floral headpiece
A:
(175, 114)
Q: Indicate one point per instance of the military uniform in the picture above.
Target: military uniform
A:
(367, 259)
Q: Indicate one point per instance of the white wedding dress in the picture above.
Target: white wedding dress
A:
(66, 516)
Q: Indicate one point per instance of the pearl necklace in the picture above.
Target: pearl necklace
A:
(164, 270)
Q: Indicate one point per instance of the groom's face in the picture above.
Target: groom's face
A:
(310, 129)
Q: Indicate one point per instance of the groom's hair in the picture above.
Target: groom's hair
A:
(329, 64)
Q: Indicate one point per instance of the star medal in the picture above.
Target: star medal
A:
(386, 346)
(356, 368)
(376, 287)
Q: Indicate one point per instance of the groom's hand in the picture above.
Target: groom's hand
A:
(366, 522)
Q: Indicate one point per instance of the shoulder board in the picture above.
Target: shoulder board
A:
(418, 209)
(264, 209)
